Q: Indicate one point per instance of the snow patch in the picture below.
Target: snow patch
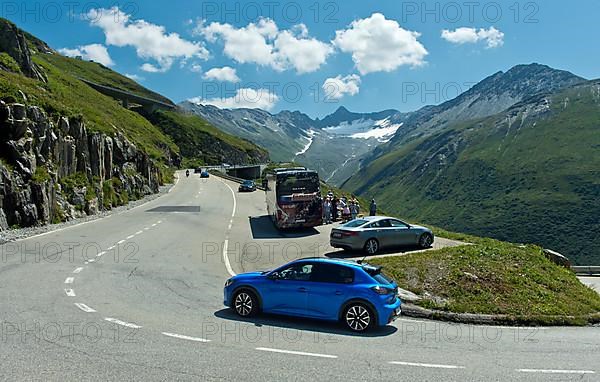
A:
(310, 136)
(382, 130)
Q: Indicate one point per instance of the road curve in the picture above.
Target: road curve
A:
(138, 296)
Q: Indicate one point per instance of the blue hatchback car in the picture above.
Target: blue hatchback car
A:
(358, 294)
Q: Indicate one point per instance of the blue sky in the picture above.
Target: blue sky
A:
(315, 56)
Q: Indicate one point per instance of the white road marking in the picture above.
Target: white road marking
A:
(91, 261)
(110, 248)
(549, 371)
(226, 243)
(146, 228)
(176, 181)
(130, 237)
(77, 270)
(138, 232)
(226, 258)
(69, 280)
(70, 292)
(122, 323)
(430, 365)
(154, 225)
(120, 241)
(183, 337)
(297, 353)
(84, 307)
(158, 222)
(101, 254)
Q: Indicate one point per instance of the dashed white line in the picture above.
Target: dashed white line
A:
(146, 228)
(70, 292)
(183, 337)
(158, 222)
(550, 371)
(91, 261)
(130, 237)
(138, 232)
(84, 307)
(297, 353)
(101, 254)
(122, 323)
(120, 241)
(429, 365)
(69, 280)
(154, 225)
(110, 248)
(77, 270)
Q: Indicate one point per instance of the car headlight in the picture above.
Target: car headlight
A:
(228, 282)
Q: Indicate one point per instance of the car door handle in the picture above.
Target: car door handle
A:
(302, 290)
(338, 293)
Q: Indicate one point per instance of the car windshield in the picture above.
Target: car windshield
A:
(298, 183)
(248, 183)
(355, 223)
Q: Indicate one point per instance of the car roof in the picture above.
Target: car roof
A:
(333, 260)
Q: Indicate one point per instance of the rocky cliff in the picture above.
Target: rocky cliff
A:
(53, 169)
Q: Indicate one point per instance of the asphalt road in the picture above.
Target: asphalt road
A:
(138, 296)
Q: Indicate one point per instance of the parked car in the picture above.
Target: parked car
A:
(373, 233)
(247, 186)
(204, 174)
(359, 295)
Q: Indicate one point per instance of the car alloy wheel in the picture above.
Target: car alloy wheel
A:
(372, 246)
(244, 304)
(425, 241)
(358, 317)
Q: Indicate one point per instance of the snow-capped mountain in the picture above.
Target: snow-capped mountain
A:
(334, 145)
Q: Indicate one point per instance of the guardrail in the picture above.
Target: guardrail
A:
(586, 270)
(232, 178)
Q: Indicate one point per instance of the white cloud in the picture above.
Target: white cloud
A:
(196, 68)
(244, 98)
(337, 87)
(492, 36)
(224, 74)
(134, 77)
(380, 45)
(303, 54)
(264, 44)
(147, 67)
(94, 52)
(151, 41)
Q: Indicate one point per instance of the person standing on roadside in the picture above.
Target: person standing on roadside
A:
(353, 209)
(327, 211)
(334, 205)
(373, 208)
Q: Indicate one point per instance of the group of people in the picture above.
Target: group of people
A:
(343, 208)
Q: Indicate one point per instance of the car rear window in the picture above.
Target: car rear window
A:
(378, 275)
(354, 223)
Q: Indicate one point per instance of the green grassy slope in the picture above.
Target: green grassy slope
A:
(202, 143)
(535, 179)
(493, 277)
(66, 95)
(98, 73)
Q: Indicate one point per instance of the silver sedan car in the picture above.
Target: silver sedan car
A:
(373, 233)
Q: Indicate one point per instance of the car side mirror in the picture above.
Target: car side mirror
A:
(274, 276)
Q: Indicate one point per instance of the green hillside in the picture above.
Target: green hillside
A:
(100, 74)
(201, 143)
(530, 174)
(65, 95)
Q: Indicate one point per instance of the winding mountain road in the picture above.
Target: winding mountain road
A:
(139, 296)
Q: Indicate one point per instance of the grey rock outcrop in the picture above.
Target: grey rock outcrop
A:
(40, 159)
(13, 42)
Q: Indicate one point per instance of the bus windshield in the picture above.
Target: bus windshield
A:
(297, 184)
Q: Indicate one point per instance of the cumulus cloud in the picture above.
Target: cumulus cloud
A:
(134, 77)
(151, 41)
(224, 74)
(94, 52)
(337, 87)
(244, 98)
(264, 44)
(380, 45)
(196, 68)
(492, 36)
